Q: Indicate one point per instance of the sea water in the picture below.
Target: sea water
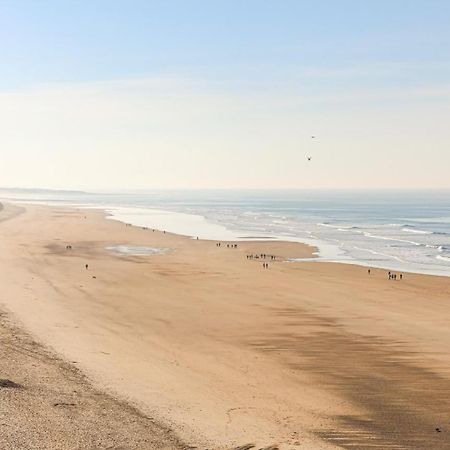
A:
(399, 230)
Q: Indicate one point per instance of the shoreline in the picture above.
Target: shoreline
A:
(315, 249)
(223, 351)
(325, 252)
(319, 247)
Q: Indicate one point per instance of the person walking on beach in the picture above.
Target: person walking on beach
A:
(368, 271)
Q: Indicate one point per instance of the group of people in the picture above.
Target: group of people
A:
(218, 244)
(261, 256)
(252, 256)
(392, 276)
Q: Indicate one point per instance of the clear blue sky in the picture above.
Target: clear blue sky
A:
(317, 62)
(53, 41)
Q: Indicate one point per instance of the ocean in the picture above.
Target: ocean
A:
(406, 231)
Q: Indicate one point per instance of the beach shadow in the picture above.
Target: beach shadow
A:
(8, 384)
(405, 404)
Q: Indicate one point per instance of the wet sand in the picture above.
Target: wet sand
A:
(206, 342)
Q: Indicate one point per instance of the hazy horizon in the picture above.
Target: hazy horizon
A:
(124, 190)
(215, 95)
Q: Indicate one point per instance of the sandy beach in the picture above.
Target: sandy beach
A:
(201, 347)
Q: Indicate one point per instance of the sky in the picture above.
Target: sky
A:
(111, 94)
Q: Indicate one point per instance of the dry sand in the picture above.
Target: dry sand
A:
(50, 405)
(205, 342)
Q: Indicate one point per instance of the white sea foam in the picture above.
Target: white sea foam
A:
(384, 255)
(328, 225)
(385, 238)
(412, 230)
(444, 219)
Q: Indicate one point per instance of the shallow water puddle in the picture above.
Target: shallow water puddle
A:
(136, 251)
